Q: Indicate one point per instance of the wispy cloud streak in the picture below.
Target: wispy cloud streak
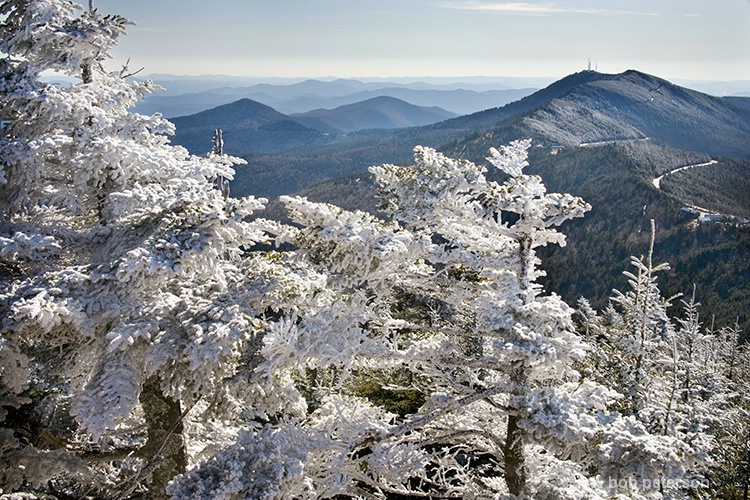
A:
(524, 8)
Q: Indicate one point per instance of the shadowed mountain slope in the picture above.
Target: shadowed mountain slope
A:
(377, 113)
(248, 126)
(253, 128)
(634, 105)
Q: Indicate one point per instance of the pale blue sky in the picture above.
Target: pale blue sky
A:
(679, 39)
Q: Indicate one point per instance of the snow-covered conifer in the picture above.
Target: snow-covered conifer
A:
(125, 274)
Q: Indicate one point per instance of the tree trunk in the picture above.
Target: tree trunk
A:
(514, 458)
(513, 451)
(165, 448)
(515, 462)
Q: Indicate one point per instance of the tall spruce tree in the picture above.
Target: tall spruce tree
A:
(127, 290)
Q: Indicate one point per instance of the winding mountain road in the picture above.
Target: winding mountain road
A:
(657, 181)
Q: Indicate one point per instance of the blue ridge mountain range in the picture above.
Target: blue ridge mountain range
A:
(187, 96)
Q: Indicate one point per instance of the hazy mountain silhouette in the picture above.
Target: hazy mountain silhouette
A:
(185, 97)
(377, 113)
(252, 127)
(248, 126)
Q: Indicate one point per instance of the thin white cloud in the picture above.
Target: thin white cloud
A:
(525, 8)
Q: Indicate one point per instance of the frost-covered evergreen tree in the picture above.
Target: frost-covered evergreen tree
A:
(498, 333)
(128, 293)
(645, 330)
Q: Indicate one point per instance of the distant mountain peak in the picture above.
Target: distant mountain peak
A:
(233, 113)
(249, 126)
(592, 107)
(380, 112)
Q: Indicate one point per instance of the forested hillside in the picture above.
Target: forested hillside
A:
(162, 338)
